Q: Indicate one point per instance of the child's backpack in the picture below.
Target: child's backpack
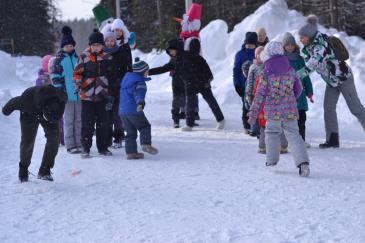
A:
(339, 49)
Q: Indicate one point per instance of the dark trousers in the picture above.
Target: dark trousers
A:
(94, 113)
(178, 101)
(132, 124)
(209, 98)
(245, 123)
(301, 123)
(116, 129)
(29, 127)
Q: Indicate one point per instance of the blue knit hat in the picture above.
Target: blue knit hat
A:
(251, 38)
(67, 38)
(140, 66)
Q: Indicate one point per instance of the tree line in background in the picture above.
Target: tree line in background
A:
(30, 24)
(33, 26)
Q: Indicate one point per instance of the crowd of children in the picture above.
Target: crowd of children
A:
(102, 92)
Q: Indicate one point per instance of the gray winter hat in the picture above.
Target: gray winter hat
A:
(288, 39)
(310, 28)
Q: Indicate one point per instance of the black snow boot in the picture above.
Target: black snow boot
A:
(23, 173)
(85, 153)
(333, 142)
(45, 174)
(105, 152)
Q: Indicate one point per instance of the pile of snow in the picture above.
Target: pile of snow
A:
(16, 73)
(219, 48)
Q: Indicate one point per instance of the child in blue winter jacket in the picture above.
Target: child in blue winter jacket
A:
(62, 71)
(132, 101)
(246, 54)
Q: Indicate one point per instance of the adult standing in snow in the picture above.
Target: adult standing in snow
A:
(262, 38)
(123, 59)
(190, 30)
(320, 56)
(246, 54)
(196, 75)
(278, 90)
(62, 71)
(42, 105)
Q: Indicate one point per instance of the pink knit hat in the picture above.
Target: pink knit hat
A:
(45, 61)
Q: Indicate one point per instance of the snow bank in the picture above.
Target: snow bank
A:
(219, 48)
(16, 73)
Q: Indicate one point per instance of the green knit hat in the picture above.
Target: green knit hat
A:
(102, 16)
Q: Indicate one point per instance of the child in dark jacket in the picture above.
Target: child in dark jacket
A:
(178, 92)
(132, 93)
(292, 52)
(278, 90)
(196, 75)
(41, 105)
(91, 78)
(247, 53)
(178, 95)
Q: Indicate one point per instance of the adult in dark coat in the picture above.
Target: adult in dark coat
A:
(122, 63)
(42, 105)
(196, 75)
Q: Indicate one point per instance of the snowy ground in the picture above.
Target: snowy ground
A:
(204, 186)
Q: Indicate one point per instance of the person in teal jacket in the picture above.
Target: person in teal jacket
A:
(62, 71)
(292, 52)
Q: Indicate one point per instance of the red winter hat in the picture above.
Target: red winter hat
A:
(195, 11)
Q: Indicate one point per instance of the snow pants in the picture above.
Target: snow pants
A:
(94, 114)
(262, 144)
(273, 131)
(132, 124)
(331, 95)
(72, 125)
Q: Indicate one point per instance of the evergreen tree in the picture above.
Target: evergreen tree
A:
(30, 24)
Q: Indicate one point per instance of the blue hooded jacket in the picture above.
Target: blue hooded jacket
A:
(133, 90)
(62, 73)
(241, 57)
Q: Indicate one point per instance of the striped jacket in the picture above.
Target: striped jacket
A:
(91, 75)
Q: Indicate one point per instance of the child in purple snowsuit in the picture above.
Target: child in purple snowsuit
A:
(278, 90)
